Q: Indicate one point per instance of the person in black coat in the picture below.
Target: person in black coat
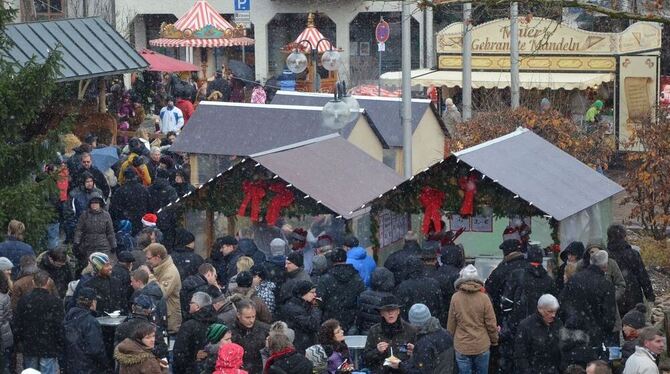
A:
(250, 333)
(192, 335)
(536, 346)
(453, 260)
(495, 283)
(275, 265)
(224, 258)
(161, 193)
(283, 357)
(130, 201)
(203, 281)
(419, 289)
(221, 85)
(111, 296)
(632, 269)
(339, 290)
(396, 261)
(589, 297)
(183, 254)
(38, 323)
(139, 280)
(370, 301)
(56, 263)
(121, 272)
(87, 166)
(84, 344)
(572, 253)
(302, 314)
(433, 343)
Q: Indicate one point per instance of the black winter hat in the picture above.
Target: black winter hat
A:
(389, 302)
(339, 255)
(227, 240)
(296, 258)
(125, 256)
(130, 174)
(509, 246)
(302, 288)
(574, 248)
(636, 318)
(244, 279)
(87, 293)
(535, 254)
(351, 241)
(183, 237)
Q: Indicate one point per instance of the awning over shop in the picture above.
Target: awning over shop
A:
(90, 47)
(159, 62)
(492, 79)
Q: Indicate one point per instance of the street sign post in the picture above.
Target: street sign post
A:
(382, 34)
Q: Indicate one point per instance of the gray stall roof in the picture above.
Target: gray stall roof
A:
(540, 173)
(220, 128)
(90, 47)
(383, 111)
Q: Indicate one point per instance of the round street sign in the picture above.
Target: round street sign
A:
(383, 31)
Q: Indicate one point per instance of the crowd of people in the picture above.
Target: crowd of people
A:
(285, 304)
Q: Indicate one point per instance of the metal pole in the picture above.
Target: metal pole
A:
(467, 62)
(406, 115)
(514, 53)
(379, 79)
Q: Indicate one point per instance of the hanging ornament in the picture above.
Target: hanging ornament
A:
(431, 199)
(283, 198)
(469, 187)
(253, 193)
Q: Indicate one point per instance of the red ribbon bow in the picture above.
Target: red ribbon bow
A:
(253, 193)
(431, 199)
(283, 198)
(469, 187)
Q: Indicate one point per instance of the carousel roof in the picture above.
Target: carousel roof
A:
(201, 15)
(201, 27)
(312, 35)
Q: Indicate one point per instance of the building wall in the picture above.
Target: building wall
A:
(427, 142)
(364, 138)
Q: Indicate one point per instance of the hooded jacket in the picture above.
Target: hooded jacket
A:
(370, 300)
(94, 232)
(339, 289)
(396, 261)
(191, 338)
(495, 283)
(229, 360)
(634, 273)
(169, 281)
(134, 358)
(363, 263)
(472, 321)
(418, 288)
(536, 348)
(84, 346)
(432, 342)
(304, 318)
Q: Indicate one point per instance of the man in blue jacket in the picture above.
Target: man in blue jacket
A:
(13, 247)
(358, 256)
(84, 346)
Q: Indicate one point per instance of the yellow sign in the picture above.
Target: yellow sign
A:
(543, 36)
(531, 63)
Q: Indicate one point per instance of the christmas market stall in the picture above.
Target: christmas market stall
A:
(515, 186)
(322, 179)
(220, 132)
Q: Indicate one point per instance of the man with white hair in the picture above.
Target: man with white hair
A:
(588, 303)
(536, 344)
(192, 335)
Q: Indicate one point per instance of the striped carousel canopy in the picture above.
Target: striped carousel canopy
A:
(201, 27)
(312, 35)
(201, 15)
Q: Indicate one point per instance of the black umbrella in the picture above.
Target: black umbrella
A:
(241, 71)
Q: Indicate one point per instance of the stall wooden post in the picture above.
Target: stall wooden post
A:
(209, 230)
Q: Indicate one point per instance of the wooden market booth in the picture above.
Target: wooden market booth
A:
(575, 66)
(305, 181)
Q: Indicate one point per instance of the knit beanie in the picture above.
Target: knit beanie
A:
(244, 279)
(319, 263)
(468, 272)
(98, 260)
(215, 332)
(296, 258)
(302, 287)
(535, 254)
(636, 318)
(318, 357)
(419, 314)
(5, 264)
(277, 247)
(339, 255)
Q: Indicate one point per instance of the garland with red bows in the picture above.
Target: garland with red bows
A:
(469, 187)
(253, 193)
(431, 199)
(283, 198)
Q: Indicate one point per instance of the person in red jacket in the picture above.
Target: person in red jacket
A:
(186, 108)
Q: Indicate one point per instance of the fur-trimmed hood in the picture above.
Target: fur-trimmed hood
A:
(130, 352)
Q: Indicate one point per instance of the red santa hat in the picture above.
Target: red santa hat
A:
(149, 220)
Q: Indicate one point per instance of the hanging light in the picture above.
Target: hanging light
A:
(331, 60)
(335, 114)
(354, 107)
(296, 62)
